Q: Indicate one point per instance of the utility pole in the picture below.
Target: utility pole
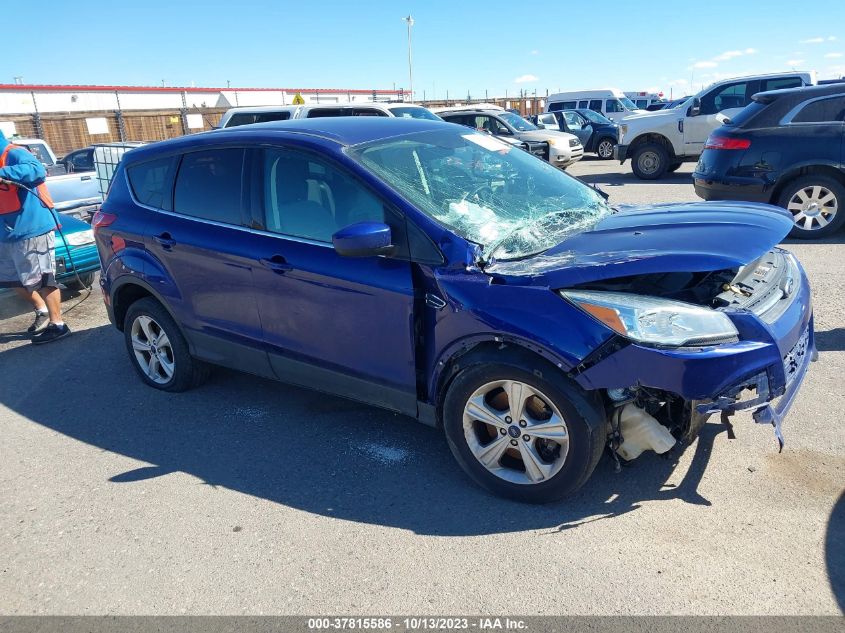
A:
(410, 21)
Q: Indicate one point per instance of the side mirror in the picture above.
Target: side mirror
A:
(364, 239)
(695, 108)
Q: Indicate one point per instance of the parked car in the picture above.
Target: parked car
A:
(79, 240)
(437, 272)
(561, 151)
(264, 114)
(787, 148)
(610, 102)
(75, 194)
(597, 134)
(78, 160)
(659, 142)
(654, 107)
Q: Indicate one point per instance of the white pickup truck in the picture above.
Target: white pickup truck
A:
(658, 142)
(75, 194)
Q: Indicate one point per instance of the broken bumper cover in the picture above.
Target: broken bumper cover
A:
(761, 372)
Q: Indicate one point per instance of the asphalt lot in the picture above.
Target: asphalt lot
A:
(250, 497)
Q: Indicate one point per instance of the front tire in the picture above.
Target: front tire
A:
(817, 205)
(650, 161)
(604, 149)
(87, 280)
(157, 349)
(526, 433)
(674, 167)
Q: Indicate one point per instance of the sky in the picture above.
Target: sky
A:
(480, 48)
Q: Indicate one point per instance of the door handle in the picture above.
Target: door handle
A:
(86, 178)
(166, 241)
(681, 126)
(277, 264)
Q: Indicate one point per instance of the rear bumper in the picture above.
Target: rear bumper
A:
(731, 188)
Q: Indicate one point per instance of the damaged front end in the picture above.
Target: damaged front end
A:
(680, 387)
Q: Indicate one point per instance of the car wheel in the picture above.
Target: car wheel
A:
(158, 350)
(650, 161)
(674, 167)
(528, 435)
(817, 205)
(86, 279)
(604, 149)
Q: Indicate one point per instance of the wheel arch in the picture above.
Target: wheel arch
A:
(480, 349)
(800, 171)
(652, 137)
(128, 291)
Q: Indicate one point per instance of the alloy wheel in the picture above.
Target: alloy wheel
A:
(813, 207)
(153, 350)
(516, 432)
(605, 149)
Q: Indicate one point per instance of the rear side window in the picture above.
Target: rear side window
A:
(152, 182)
(582, 105)
(746, 114)
(321, 112)
(247, 118)
(780, 84)
(368, 112)
(208, 185)
(830, 110)
(595, 104)
(562, 105)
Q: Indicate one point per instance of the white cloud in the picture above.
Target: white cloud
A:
(819, 40)
(794, 62)
(751, 51)
(535, 52)
(727, 55)
(525, 79)
(833, 55)
(705, 65)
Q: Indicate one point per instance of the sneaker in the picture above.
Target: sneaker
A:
(40, 323)
(51, 333)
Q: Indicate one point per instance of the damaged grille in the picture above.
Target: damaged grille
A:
(794, 358)
(540, 149)
(766, 286)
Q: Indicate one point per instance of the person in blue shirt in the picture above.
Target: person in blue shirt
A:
(27, 241)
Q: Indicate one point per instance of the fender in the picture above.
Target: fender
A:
(461, 346)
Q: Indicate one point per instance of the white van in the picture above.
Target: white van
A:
(264, 114)
(658, 142)
(610, 102)
(643, 98)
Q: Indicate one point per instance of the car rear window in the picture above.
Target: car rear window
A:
(746, 114)
(208, 185)
(152, 182)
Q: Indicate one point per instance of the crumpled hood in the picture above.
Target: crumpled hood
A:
(691, 237)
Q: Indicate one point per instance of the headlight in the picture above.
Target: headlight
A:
(623, 130)
(653, 320)
(552, 142)
(80, 238)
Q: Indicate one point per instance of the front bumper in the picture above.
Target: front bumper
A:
(620, 152)
(770, 362)
(563, 157)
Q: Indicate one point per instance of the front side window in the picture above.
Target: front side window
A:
(152, 182)
(613, 105)
(83, 161)
(595, 104)
(594, 117)
(309, 198)
(368, 112)
(573, 121)
(627, 104)
(208, 185)
(325, 112)
(484, 190)
(830, 110)
(730, 96)
(248, 118)
(642, 104)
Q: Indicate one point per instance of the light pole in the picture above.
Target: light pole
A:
(410, 21)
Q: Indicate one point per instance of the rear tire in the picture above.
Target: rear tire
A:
(650, 161)
(817, 205)
(157, 349)
(552, 464)
(673, 167)
(604, 149)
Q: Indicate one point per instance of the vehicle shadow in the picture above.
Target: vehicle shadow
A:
(306, 450)
(616, 179)
(834, 551)
(831, 340)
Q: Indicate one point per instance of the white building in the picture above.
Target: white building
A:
(27, 99)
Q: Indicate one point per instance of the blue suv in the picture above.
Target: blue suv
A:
(437, 272)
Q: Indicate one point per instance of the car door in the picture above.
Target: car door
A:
(342, 325)
(579, 126)
(712, 113)
(204, 255)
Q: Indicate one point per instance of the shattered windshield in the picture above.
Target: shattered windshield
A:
(496, 195)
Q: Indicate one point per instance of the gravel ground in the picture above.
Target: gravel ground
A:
(251, 497)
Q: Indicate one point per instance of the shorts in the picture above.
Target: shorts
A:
(29, 263)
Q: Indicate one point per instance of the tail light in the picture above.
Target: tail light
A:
(726, 142)
(101, 219)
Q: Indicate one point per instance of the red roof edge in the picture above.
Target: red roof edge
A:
(84, 88)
